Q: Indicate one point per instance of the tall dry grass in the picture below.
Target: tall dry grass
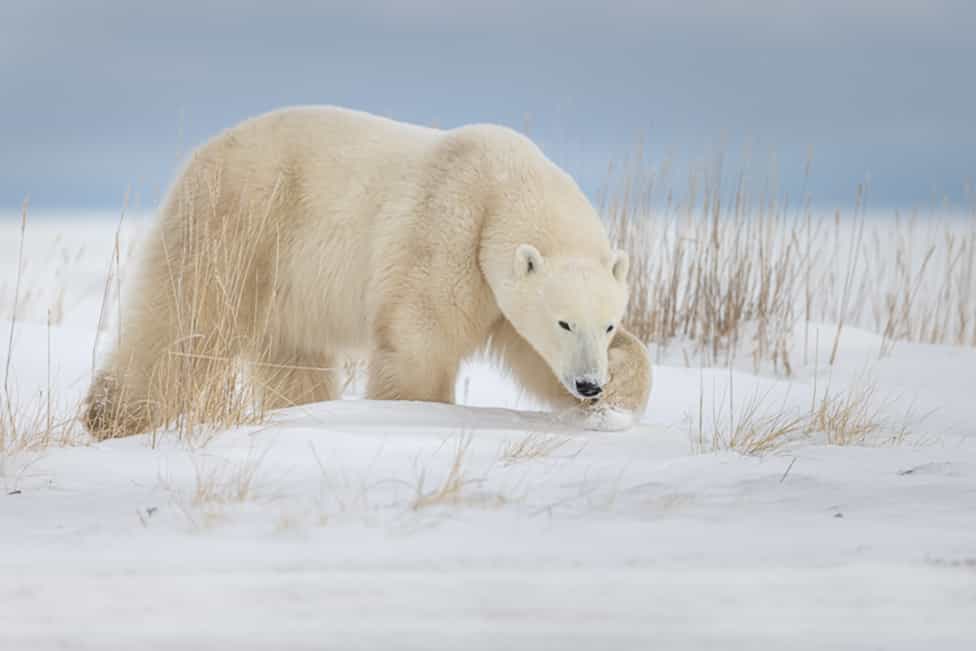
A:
(726, 269)
(34, 422)
(214, 366)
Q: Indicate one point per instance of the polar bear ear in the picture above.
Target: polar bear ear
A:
(620, 265)
(528, 260)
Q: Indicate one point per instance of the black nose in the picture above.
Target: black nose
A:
(587, 389)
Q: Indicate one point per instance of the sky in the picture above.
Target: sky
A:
(100, 98)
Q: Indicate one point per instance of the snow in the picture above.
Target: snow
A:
(350, 533)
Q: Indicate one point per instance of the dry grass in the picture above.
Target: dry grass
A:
(10, 430)
(455, 487)
(34, 426)
(753, 429)
(536, 445)
(731, 268)
(34, 423)
(217, 483)
(448, 490)
(853, 416)
(858, 416)
(847, 418)
(433, 485)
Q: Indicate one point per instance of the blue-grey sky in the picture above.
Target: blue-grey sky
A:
(98, 96)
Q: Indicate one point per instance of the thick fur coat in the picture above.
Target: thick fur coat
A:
(309, 235)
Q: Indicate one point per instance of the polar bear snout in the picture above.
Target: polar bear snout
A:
(587, 388)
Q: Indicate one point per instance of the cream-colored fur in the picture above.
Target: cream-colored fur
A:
(306, 235)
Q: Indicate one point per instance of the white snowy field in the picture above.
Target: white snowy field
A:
(359, 524)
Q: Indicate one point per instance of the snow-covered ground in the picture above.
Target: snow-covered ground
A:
(359, 524)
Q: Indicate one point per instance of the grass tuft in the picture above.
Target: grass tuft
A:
(535, 445)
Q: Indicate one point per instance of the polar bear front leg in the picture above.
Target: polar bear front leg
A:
(397, 374)
(411, 360)
(625, 395)
(628, 388)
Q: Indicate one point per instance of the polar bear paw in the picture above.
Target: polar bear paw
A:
(599, 418)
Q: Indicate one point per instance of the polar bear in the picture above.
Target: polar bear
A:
(310, 235)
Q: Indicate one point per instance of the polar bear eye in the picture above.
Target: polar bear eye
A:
(610, 328)
(565, 326)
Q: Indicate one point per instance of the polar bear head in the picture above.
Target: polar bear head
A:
(568, 310)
